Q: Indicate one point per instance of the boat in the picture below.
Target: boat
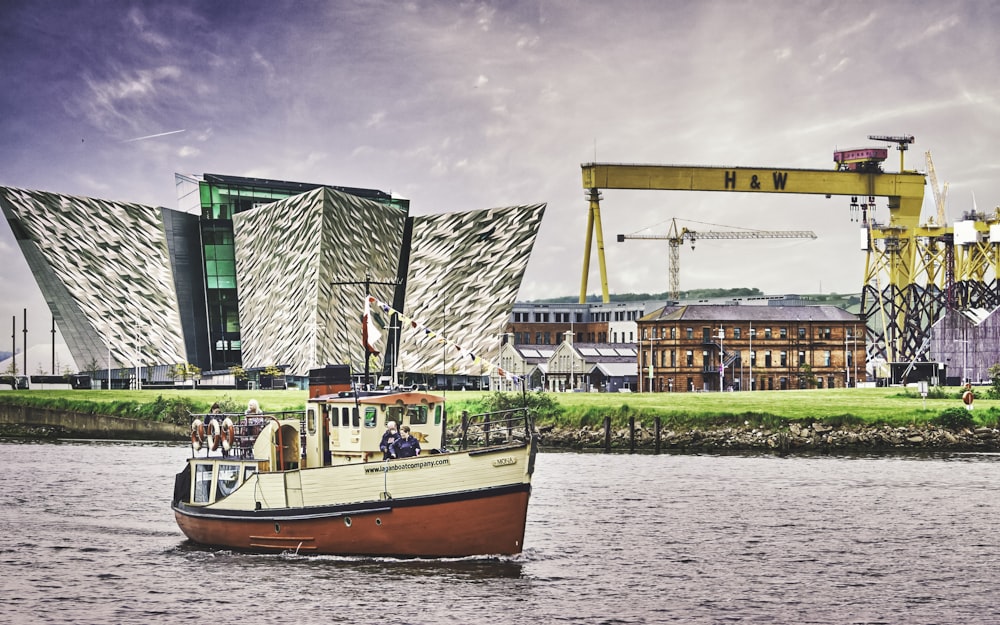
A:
(316, 481)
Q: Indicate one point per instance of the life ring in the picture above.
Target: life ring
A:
(228, 434)
(215, 436)
(197, 434)
(968, 398)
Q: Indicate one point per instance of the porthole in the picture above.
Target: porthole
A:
(277, 528)
(378, 521)
(347, 521)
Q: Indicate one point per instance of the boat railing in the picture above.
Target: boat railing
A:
(502, 427)
(246, 429)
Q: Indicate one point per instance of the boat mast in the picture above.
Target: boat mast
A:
(368, 282)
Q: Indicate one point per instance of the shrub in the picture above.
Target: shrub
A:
(542, 405)
(955, 419)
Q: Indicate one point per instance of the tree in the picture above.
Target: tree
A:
(807, 379)
(994, 391)
(183, 371)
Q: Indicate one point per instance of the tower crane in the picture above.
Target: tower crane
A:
(939, 193)
(675, 237)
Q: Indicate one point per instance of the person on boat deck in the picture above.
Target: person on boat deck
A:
(407, 446)
(253, 408)
(390, 437)
(216, 415)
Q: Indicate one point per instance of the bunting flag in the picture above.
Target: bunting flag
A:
(428, 333)
(370, 334)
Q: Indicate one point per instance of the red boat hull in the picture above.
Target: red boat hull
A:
(429, 527)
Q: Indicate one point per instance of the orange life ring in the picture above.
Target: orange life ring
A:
(968, 398)
(197, 434)
(228, 434)
(215, 436)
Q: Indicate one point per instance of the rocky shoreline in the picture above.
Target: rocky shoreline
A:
(795, 438)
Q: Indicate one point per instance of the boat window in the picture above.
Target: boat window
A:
(311, 420)
(438, 409)
(355, 417)
(394, 413)
(345, 416)
(371, 416)
(202, 482)
(228, 479)
(417, 414)
(248, 471)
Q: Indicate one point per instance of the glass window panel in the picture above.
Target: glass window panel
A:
(227, 282)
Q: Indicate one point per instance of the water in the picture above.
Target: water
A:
(88, 537)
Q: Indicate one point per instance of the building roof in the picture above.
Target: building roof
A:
(606, 352)
(616, 369)
(722, 312)
(535, 354)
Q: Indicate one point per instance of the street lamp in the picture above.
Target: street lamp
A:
(750, 355)
(847, 359)
(722, 361)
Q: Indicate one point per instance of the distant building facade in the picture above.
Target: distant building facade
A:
(963, 345)
(720, 347)
(257, 273)
(778, 342)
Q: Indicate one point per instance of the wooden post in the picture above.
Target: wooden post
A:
(465, 429)
(607, 435)
(656, 425)
(631, 434)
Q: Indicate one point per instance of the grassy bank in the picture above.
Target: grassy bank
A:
(889, 406)
(876, 406)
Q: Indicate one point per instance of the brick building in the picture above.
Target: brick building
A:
(712, 347)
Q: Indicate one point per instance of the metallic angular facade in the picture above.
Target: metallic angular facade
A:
(300, 264)
(104, 270)
(136, 280)
(462, 277)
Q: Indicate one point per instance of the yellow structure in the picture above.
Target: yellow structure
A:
(896, 268)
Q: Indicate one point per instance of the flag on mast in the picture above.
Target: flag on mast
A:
(370, 334)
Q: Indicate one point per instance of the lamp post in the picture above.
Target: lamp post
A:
(750, 356)
(649, 384)
(722, 361)
(847, 359)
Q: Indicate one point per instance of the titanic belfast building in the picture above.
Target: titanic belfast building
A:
(256, 273)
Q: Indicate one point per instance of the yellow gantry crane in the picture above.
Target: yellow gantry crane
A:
(675, 237)
(893, 264)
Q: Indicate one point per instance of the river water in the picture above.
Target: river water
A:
(88, 537)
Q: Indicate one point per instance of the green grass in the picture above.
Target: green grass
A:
(890, 406)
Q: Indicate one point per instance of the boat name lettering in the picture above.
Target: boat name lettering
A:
(409, 465)
(503, 462)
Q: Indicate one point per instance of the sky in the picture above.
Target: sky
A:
(471, 105)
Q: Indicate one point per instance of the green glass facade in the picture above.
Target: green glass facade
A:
(221, 197)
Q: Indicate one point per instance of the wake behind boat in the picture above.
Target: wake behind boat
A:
(316, 481)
